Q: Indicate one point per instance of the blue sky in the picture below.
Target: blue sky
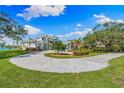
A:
(67, 22)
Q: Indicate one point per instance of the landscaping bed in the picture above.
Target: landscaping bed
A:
(59, 55)
(54, 55)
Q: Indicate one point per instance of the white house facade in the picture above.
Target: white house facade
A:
(40, 43)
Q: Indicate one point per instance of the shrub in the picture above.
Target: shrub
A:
(116, 48)
(81, 52)
(99, 49)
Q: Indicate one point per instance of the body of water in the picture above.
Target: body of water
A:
(6, 48)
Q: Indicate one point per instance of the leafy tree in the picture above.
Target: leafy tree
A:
(5, 23)
(111, 35)
(58, 45)
(76, 43)
(2, 43)
(11, 29)
(19, 33)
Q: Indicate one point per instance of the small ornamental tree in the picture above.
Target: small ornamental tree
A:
(58, 45)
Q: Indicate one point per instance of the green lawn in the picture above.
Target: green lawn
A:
(54, 55)
(13, 76)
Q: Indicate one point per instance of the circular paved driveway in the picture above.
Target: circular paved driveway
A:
(38, 62)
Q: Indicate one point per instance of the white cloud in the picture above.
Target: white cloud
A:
(88, 29)
(50, 34)
(42, 10)
(75, 34)
(119, 21)
(79, 25)
(103, 19)
(8, 41)
(60, 36)
(99, 16)
(32, 30)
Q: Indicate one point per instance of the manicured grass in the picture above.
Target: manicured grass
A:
(54, 55)
(13, 76)
(10, 53)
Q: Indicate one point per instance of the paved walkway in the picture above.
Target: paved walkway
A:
(38, 62)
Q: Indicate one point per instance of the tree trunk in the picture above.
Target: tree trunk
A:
(17, 42)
